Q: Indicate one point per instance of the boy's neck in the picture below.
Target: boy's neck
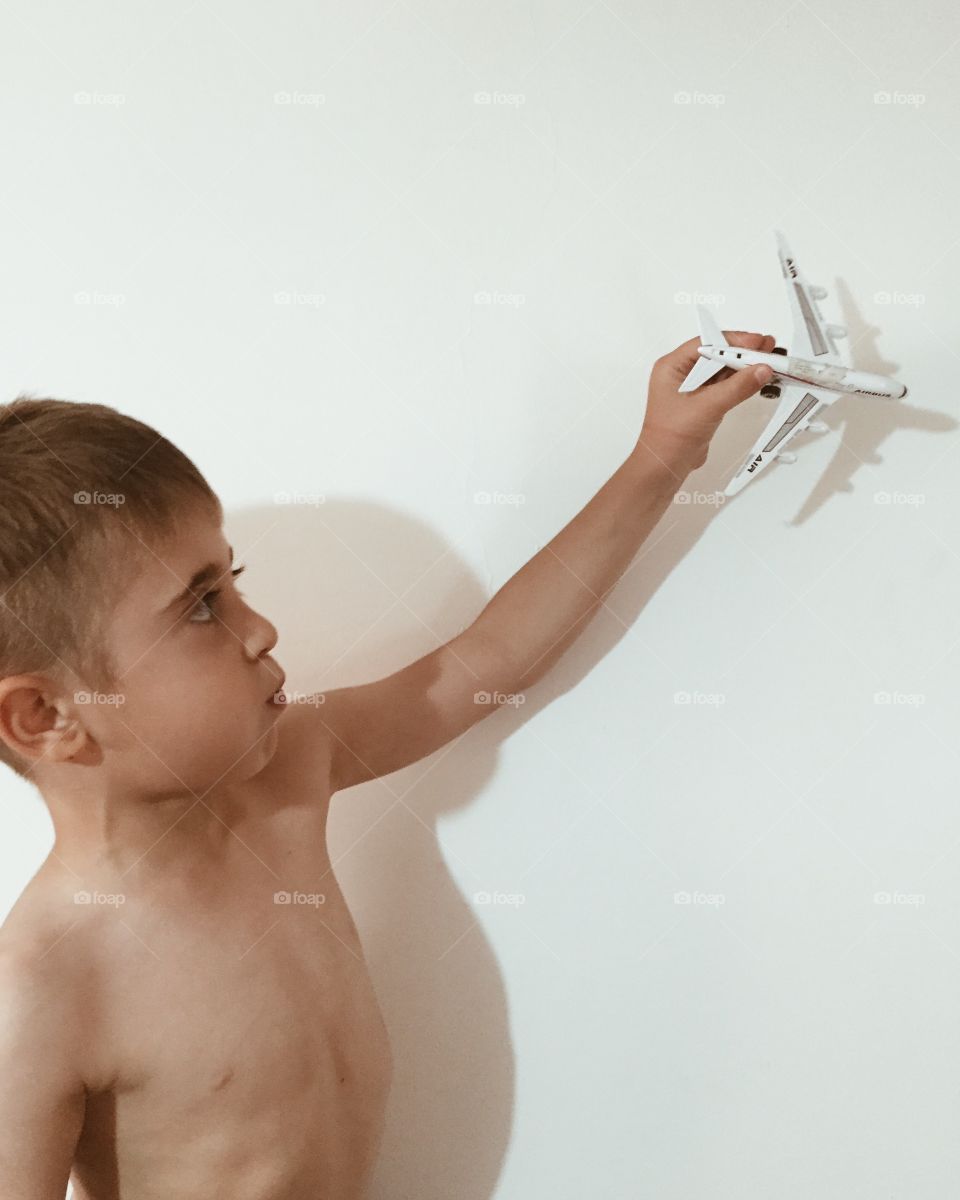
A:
(169, 836)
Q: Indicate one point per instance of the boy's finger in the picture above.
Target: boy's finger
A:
(752, 341)
(740, 386)
(682, 359)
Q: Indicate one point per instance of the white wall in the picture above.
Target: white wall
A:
(799, 1039)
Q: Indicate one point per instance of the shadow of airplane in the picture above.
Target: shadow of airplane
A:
(863, 422)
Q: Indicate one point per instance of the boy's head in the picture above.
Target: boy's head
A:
(115, 656)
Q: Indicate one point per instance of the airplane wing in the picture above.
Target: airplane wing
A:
(797, 408)
(811, 336)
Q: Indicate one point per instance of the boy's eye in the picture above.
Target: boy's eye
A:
(207, 603)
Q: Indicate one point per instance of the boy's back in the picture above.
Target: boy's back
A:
(202, 1037)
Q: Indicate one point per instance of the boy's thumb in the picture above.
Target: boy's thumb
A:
(744, 384)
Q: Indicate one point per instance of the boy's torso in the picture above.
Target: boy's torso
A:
(236, 1044)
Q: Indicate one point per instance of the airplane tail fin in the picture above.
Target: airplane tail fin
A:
(705, 368)
(710, 332)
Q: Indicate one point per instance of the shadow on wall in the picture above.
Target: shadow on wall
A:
(357, 591)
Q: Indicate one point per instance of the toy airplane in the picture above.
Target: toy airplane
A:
(810, 377)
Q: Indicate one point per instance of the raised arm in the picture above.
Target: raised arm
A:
(378, 727)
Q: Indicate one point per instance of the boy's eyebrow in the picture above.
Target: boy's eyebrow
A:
(207, 574)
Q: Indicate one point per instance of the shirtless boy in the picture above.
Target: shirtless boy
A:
(170, 1029)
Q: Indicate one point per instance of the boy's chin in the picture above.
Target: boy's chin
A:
(259, 754)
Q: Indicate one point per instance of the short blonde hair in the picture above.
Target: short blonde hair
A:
(82, 488)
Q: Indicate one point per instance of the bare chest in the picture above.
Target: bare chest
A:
(250, 1044)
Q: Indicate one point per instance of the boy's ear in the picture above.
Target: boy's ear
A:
(39, 722)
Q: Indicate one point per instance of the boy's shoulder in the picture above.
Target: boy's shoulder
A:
(45, 913)
(52, 959)
(35, 970)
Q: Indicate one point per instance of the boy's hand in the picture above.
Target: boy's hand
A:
(678, 426)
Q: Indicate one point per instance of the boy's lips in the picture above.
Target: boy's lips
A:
(277, 695)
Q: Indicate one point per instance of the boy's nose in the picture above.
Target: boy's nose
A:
(261, 636)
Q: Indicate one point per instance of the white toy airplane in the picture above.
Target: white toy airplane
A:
(815, 377)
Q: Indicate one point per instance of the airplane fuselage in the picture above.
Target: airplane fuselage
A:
(830, 376)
